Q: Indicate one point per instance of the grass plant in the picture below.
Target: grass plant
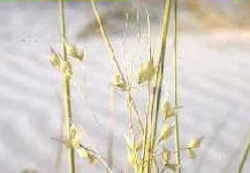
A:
(144, 139)
(149, 130)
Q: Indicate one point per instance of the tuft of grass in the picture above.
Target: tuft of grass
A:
(149, 130)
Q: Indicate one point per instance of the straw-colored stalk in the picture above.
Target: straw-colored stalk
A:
(244, 156)
(176, 94)
(148, 119)
(155, 104)
(116, 63)
(67, 95)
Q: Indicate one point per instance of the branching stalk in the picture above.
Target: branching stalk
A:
(107, 41)
(115, 61)
(99, 158)
(67, 95)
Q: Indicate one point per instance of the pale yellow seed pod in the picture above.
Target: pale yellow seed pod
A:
(118, 82)
(71, 49)
(83, 153)
(146, 71)
(166, 131)
(168, 110)
(195, 143)
(74, 52)
(54, 58)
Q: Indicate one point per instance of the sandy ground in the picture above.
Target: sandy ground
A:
(214, 89)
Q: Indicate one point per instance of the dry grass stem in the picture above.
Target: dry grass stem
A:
(244, 157)
(155, 104)
(116, 62)
(67, 96)
(176, 94)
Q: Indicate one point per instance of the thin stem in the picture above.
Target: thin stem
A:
(147, 117)
(134, 108)
(99, 158)
(176, 94)
(159, 79)
(67, 95)
(63, 29)
(91, 151)
(115, 60)
(244, 158)
(107, 41)
(160, 71)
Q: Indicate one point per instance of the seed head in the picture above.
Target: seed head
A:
(74, 52)
(118, 82)
(54, 58)
(166, 131)
(195, 143)
(83, 153)
(146, 71)
(168, 110)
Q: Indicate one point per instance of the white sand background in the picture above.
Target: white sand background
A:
(215, 91)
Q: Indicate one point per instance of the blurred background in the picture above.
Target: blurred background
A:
(214, 41)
